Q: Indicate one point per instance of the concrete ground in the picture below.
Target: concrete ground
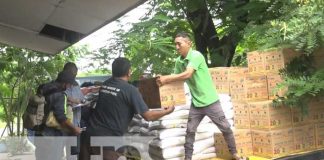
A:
(25, 156)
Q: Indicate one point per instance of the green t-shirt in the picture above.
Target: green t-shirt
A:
(201, 86)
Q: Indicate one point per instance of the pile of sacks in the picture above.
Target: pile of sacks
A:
(170, 131)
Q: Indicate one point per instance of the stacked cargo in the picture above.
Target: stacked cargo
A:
(236, 80)
(246, 94)
(273, 131)
(281, 130)
(170, 130)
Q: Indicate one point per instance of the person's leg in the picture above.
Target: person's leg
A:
(71, 146)
(50, 145)
(31, 135)
(194, 118)
(84, 147)
(216, 114)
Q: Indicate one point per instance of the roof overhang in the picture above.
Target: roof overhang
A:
(50, 26)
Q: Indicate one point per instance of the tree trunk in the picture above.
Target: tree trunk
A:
(205, 35)
(221, 51)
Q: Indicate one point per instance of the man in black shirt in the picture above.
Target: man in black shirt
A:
(117, 104)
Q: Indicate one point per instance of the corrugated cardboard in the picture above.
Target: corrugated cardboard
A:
(237, 83)
(304, 138)
(299, 118)
(241, 115)
(270, 61)
(243, 139)
(275, 60)
(267, 117)
(273, 79)
(220, 76)
(256, 88)
(274, 143)
(171, 94)
(319, 133)
(316, 110)
(255, 62)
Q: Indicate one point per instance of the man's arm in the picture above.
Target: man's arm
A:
(161, 80)
(58, 110)
(156, 114)
(73, 100)
(67, 124)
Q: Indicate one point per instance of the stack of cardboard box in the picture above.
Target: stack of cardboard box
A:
(220, 77)
(237, 85)
(260, 128)
(274, 131)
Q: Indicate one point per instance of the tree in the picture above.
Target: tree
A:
(300, 26)
(21, 71)
(149, 42)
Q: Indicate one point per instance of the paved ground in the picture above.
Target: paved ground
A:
(26, 156)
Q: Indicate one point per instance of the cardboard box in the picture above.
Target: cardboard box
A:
(319, 133)
(241, 115)
(274, 143)
(255, 62)
(256, 88)
(220, 76)
(275, 60)
(267, 117)
(243, 139)
(299, 117)
(316, 110)
(237, 83)
(304, 138)
(270, 61)
(171, 94)
(273, 80)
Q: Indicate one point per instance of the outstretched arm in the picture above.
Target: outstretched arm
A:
(161, 80)
(156, 114)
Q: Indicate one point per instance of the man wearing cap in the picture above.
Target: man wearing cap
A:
(47, 147)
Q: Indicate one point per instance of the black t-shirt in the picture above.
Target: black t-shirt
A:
(117, 103)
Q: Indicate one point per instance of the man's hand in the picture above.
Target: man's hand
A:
(73, 100)
(77, 131)
(161, 80)
(154, 115)
(169, 109)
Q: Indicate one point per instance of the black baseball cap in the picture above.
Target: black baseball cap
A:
(65, 77)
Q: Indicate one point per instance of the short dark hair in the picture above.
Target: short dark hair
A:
(183, 35)
(120, 67)
(65, 77)
(69, 66)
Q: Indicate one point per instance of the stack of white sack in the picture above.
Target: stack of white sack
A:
(227, 107)
(137, 123)
(170, 130)
(139, 126)
(170, 133)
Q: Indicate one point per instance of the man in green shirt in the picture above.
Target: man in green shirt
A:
(191, 67)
